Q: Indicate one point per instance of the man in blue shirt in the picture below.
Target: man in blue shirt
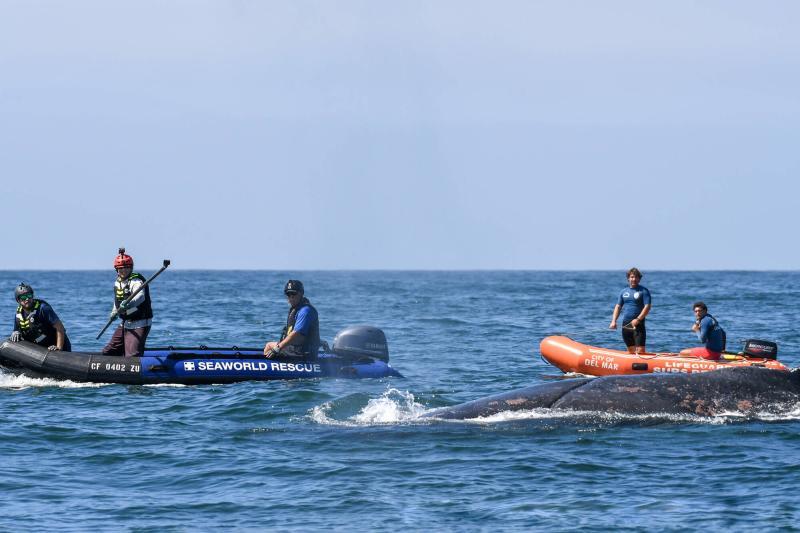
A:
(709, 332)
(300, 336)
(35, 321)
(634, 302)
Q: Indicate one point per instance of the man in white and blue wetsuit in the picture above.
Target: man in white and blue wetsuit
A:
(709, 332)
(634, 302)
(300, 336)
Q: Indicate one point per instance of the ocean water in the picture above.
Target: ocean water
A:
(353, 454)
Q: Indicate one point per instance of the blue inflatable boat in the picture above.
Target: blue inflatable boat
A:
(357, 352)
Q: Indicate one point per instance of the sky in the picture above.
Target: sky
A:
(312, 135)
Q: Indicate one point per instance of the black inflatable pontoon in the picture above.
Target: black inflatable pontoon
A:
(357, 352)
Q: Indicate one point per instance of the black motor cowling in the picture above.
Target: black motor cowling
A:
(361, 341)
(760, 349)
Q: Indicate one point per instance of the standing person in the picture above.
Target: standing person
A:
(137, 316)
(37, 322)
(709, 332)
(634, 302)
(300, 336)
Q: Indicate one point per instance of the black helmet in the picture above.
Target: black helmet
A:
(293, 285)
(23, 288)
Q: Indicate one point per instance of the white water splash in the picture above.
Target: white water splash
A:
(14, 382)
(613, 418)
(570, 375)
(393, 407)
(319, 414)
(793, 414)
(532, 414)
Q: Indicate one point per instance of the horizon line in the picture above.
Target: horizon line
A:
(212, 269)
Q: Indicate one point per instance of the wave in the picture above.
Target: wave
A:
(595, 417)
(16, 382)
(12, 381)
(392, 407)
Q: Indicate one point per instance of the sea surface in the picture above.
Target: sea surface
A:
(342, 454)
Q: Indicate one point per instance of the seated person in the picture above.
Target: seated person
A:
(709, 332)
(300, 337)
(36, 322)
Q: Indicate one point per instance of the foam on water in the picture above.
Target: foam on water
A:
(392, 407)
(612, 418)
(596, 416)
(15, 382)
(569, 375)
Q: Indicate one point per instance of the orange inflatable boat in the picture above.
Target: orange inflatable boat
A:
(572, 356)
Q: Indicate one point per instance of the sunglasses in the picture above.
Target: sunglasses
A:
(25, 297)
(290, 294)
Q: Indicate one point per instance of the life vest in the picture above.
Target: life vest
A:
(122, 290)
(311, 341)
(716, 327)
(33, 328)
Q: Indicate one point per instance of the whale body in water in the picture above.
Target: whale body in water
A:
(743, 390)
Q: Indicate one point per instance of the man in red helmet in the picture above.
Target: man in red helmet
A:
(137, 315)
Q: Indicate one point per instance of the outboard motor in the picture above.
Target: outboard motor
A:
(356, 342)
(760, 349)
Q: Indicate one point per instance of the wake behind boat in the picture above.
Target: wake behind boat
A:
(572, 356)
(357, 352)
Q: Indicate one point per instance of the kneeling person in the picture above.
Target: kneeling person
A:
(708, 331)
(35, 321)
(300, 336)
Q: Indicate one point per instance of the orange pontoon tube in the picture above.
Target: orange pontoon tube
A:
(571, 356)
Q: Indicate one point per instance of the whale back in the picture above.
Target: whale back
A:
(743, 390)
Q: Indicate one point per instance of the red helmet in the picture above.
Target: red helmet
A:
(123, 260)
